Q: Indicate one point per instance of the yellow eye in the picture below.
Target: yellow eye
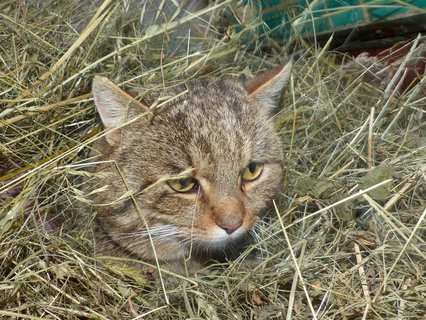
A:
(182, 185)
(252, 171)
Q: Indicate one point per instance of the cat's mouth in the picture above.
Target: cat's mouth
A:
(199, 240)
(219, 239)
(221, 235)
(220, 246)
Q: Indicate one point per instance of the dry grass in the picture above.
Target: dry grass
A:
(347, 239)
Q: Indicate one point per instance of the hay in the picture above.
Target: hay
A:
(346, 240)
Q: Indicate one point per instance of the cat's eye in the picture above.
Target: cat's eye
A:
(183, 185)
(252, 171)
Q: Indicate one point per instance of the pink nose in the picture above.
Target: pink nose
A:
(231, 227)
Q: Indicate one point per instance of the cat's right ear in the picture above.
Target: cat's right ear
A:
(114, 106)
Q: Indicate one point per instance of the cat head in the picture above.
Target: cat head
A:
(191, 177)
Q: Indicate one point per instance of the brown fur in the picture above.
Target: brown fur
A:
(215, 130)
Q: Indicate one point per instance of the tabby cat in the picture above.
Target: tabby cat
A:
(190, 179)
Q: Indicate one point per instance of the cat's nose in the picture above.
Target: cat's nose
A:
(230, 228)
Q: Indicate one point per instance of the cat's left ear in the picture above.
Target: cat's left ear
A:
(266, 88)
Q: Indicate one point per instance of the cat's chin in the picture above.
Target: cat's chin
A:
(221, 250)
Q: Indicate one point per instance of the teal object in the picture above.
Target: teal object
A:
(307, 18)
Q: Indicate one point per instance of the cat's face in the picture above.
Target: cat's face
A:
(201, 170)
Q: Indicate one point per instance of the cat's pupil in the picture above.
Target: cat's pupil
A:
(252, 167)
(184, 182)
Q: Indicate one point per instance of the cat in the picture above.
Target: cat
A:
(188, 180)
